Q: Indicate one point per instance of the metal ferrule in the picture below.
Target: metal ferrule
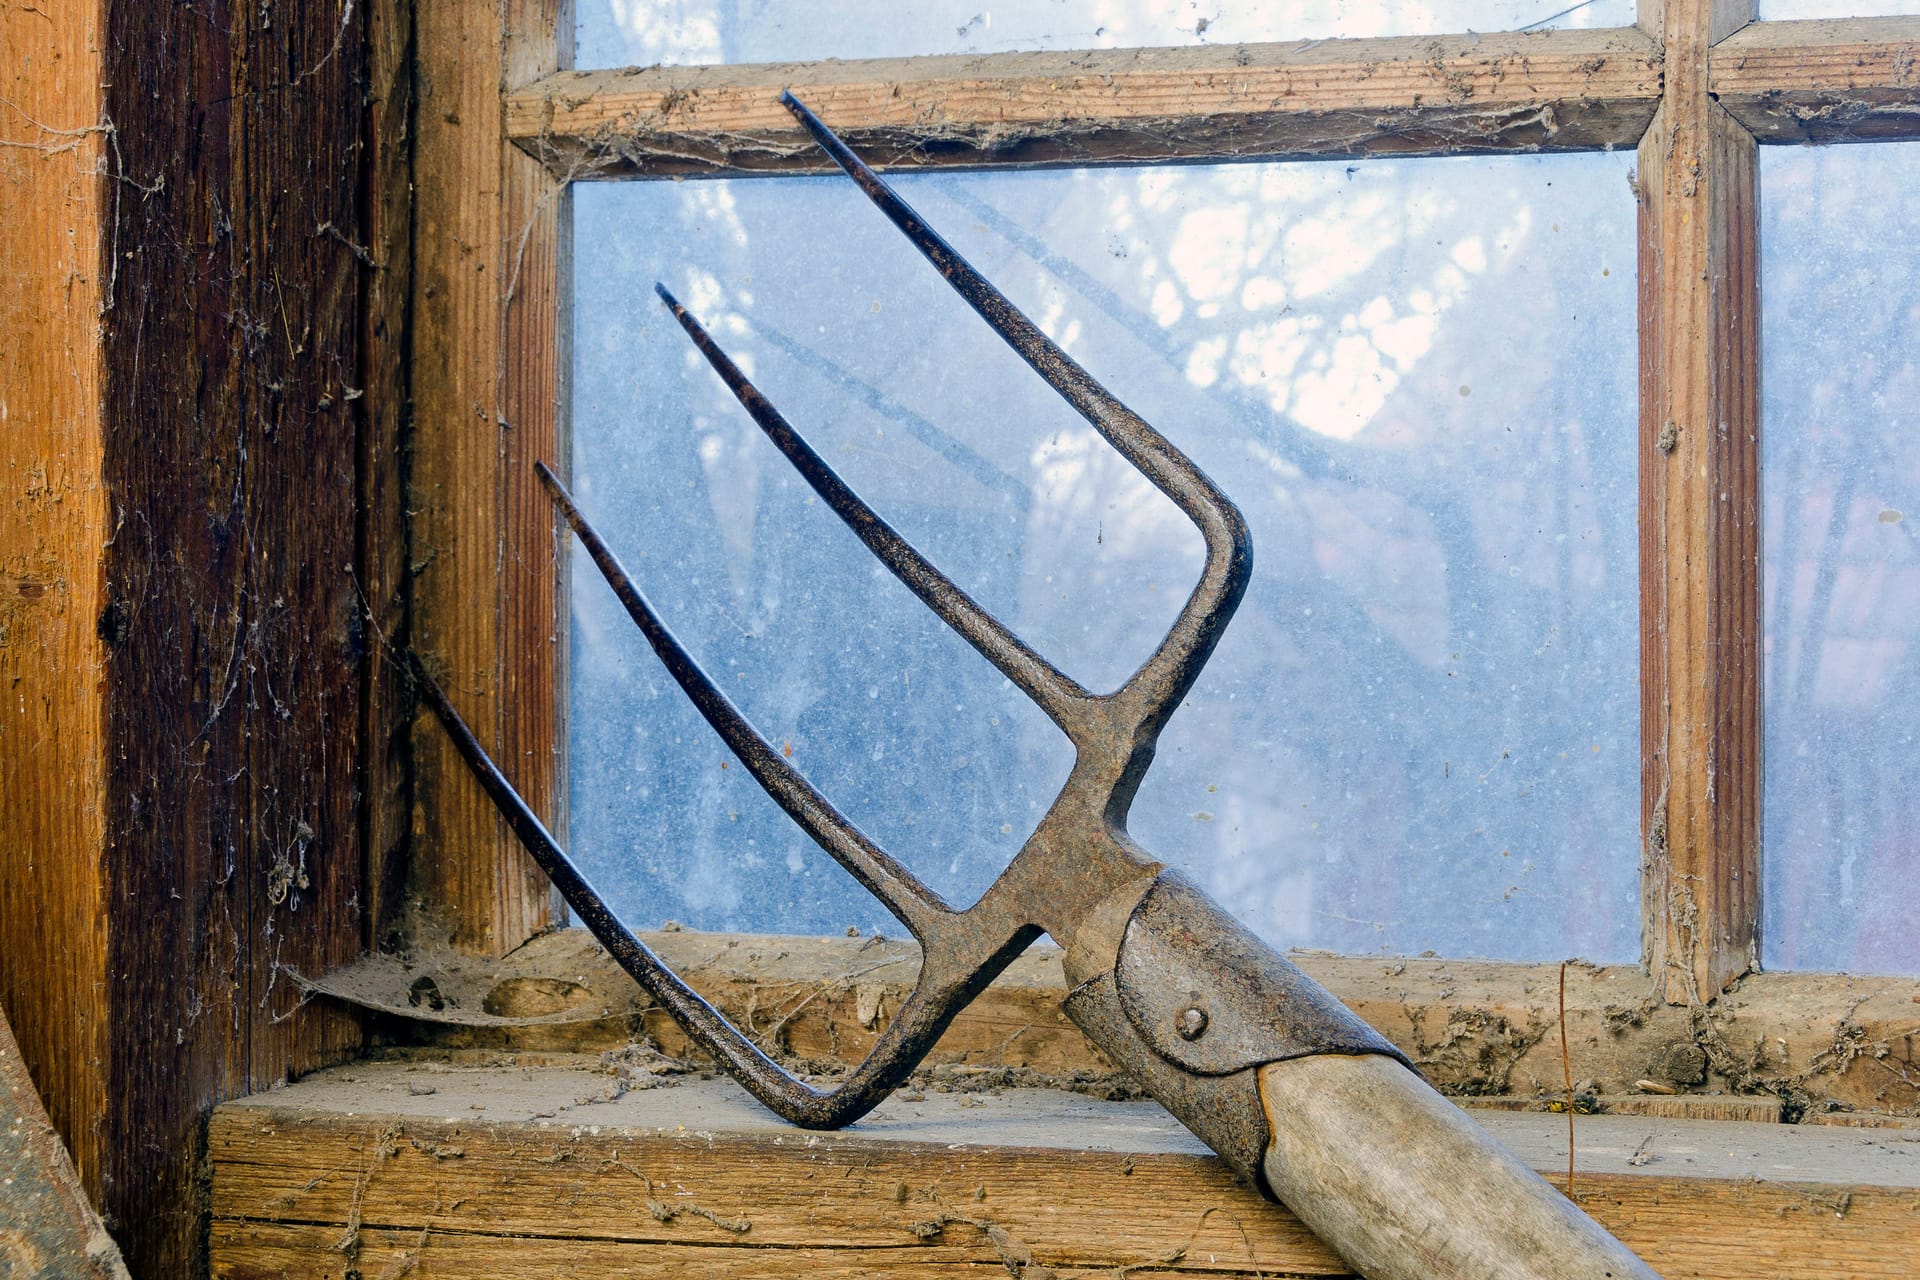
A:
(1195, 1004)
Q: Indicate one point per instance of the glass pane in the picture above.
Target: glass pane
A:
(1841, 478)
(1415, 377)
(618, 33)
(1781, 10)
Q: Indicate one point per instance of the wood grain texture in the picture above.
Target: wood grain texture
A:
(1399, 1181)
(486, 390)
(385, 578)
(53, 521)
(1700, 631)
(459, 1173)
(231, 346)
(1851, 80)
(1542, 91)
(1799, 1044)
(182, 768)
(300, 1252)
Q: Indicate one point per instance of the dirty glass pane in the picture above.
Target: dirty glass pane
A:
(618, 33)
(1841, 459)
(1416, 379)
(1783, 10)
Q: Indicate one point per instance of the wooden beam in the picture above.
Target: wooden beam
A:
(1434, 95)
(53, 523)
(181, 747)
(1854, 80)
(489, 597)
(1819, 1046)
(385, 577)
(389, 1168)
(1699, 524)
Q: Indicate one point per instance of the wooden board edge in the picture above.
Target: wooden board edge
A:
(1699, 451)
(55, 187)
(613, 1191)
(486, 604)
(1804, 1044)
(1854, 80)
(1558, 90)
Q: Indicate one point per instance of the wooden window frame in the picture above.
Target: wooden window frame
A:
(287, 329)
(1695, 87)
(271, 411)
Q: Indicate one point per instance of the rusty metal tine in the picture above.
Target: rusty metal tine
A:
(922, 1017)
(1160, 682)
(915, 905)
(1056, 693)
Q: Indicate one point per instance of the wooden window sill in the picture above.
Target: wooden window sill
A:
(431, 1169)
(1830, 1047)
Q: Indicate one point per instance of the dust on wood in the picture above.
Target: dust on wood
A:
(486, 368)
(1848, 80)
(1796, 1045)
(1026, 1181)
(1699, 525)
(184, 431)
(1553, 90)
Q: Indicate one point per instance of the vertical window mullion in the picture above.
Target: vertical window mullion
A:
(1699, 461)
(487, 374)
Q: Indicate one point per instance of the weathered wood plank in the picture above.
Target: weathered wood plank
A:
(181, 746)
(255, 1251)
(1699, 524)
(385, 577)
(1552, 90)
(1852, 80)
(1808, 1043)
(486, 377)
(697, 1176)
(53, 520)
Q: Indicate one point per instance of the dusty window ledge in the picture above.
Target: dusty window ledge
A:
(1816, 1047)
(389, 1168)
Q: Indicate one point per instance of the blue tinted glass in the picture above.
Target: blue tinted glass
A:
(618, 33)
(1841, 480)
(1415, 378)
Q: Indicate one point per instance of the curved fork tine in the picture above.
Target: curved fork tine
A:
(943, 989)
(1055, 692)
(1166, 676)
(915, 905)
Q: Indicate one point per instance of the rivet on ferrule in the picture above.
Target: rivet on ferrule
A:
(1191, 1023)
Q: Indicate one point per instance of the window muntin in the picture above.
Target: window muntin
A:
(1416, 379)
(1841, 478)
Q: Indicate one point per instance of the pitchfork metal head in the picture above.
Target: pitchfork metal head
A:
(1079, 874)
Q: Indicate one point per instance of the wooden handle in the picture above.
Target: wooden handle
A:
(1404, 1186)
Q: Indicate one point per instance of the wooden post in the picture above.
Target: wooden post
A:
(1699, 522)
(487, 375)
(53, 523)
(386, 578)
(183, 642)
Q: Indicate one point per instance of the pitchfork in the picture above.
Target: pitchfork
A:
(1294, 1091)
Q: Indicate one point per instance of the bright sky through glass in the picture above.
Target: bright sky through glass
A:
(1840, 471)
(1416, 379)
(617, 33)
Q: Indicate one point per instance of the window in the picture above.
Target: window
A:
(221, 334)
(1414, 377)
(1588, 92)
